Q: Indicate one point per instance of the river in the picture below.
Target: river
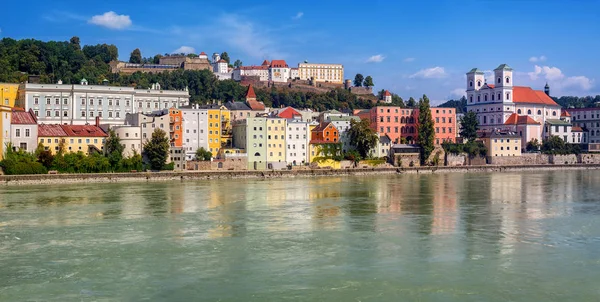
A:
(518, 236)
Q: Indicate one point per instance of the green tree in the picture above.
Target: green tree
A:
(225, 56)
(157, 149)
(136, 56)
(237, 63)
(362, 137)
(411, 103)
(203, 155)
(533, 145)
(75, 42)
(425, 129)
(358, 80)
(469, 125)
(44, 156)
(156, 59)
(368, 82)
(113, 149)
(554, 145)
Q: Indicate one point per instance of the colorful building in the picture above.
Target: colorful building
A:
(400, 124)
(23, 130)
(501, 143)
(325, 132)
(84, 138)
(176, 127)
(5, 117)
(219, 128)
(8, 94)
(276, 141)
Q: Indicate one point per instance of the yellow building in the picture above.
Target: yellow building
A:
(276, 139)
(501, 143)
(8, 94)
(5, 117)
(84, 138)
(219, 129)
(332, 73)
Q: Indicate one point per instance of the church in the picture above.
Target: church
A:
(502, 106)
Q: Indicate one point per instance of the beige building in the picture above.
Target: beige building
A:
(332, 73)
(501, 143)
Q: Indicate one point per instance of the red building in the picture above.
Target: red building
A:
(398, 123)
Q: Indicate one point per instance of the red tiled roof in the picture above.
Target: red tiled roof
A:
(256, 105)
(221, 61)
(253, 67)
(20, 117)
(279, 64)
(84, 130)
(320, 141)
(491, 85)
(564, 113)
(576, 129)
(203, 53)
(250, 93)
(321, 127)
(288, 113)
(266, 63)
(387, 93)
(515, 119)
(529, 96)
(50, 131)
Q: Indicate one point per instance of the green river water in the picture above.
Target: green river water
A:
(519, 236)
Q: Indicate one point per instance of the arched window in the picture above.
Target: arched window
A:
(492, 96)
(478, 83)
(553, 113)
(471, 99)
(485, 119)
(539, 112)
(478, 98)
(492, 121)
(499, 80)
(471, 84)
(402, 120)
(507, 80)
(256, 154)
(412, 121)
(519, 111)
(508, 96)
(499, 97)
(412, 129)
(592, 132)
(529, 111)
(402, 130)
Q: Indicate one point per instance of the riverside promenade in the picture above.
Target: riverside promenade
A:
(268, 174)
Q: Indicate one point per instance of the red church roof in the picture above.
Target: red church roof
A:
(250, 93)
(529, 96)
(515, 119)
(387, 93)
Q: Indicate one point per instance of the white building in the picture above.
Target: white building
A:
(195, 131)
(297, 140)
(221, 67)
(81, 104)
(279, 71)
(589, 120)
(23, 130)
(130, 137)
(332, 73)
(495, 103)
(342, 123)
(387, 97)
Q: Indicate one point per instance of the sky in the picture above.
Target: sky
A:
(409, 47)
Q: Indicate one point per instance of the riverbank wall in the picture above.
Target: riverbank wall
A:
(270, 174)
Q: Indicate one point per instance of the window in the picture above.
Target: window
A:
(82, 101)
(478, 98)
(48, 101)
(519, 111)
(507, 80)
(56, 113)
(57, 101)
(100, 102)
(65, 113)
(48, 113)
(508, 96)
(18, 133)
(553, 113)
(529, 111)
(539, 112)
(91, 113)
(499, 80)
(37, 113)
(470, 83)
(91, 102)
(26, 132)
(36, 101)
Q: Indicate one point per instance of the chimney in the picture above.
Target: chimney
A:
(97, 121)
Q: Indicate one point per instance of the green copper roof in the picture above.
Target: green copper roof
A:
(504, 66)
(556, 122)
(475, 70)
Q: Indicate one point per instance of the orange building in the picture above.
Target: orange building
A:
(176, 127)
(325, 132)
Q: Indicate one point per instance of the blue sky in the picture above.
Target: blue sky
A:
(408, 47)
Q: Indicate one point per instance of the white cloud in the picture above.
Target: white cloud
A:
(375, 59)
(459, 92)
(430, 73)
(407, 60)
(250, 38)
(111, 20)
(537, 59)
(184, 49)
(559, 80)
(298, 16)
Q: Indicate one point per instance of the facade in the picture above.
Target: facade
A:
(383, 147)
(221, 67)
(195, 131)
(332, 73)
(130, 137)
(325, 132)
(400, 124)
(176, 127)
(297, 141)
(81, 104)
(501, 143)
(8, 94)
(23, 130)
(75, 138)
(560, 128)
(589, 120)
(279, 71)
(276, 142)
(5, 118)
(342, 123)
(251, 134)
(219, 128)
(527, 128)
(387, 97)
(148, 123)
(495, 103)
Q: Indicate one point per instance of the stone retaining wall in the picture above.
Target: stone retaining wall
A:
(589, 158)
(569, 159)
(453, 160)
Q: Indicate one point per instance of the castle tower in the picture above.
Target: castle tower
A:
(216, 57)
(503, 79)
(250, 95)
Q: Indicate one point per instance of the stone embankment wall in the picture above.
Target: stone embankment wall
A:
(569, 159)
(453, 160)
(589, 158)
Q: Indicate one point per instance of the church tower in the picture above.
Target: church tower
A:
(503, 79)
(475, 80)
(547, 89)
